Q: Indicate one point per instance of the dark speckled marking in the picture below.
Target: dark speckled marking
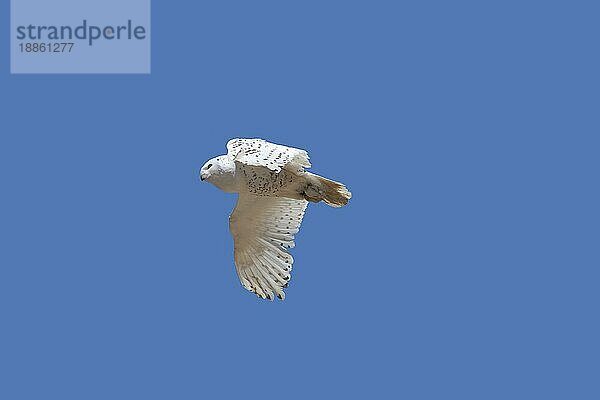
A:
(264, 182)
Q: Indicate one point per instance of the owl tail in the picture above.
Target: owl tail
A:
(331, 192)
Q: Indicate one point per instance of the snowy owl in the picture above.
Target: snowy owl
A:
(273, 192)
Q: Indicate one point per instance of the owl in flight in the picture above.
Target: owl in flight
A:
(273, 192)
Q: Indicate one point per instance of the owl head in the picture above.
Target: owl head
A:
(220, 171)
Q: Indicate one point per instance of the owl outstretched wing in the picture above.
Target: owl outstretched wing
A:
(259, 152)
(263, 229)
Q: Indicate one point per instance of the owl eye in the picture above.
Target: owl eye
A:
(208, 166)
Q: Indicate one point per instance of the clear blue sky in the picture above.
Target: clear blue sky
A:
(465, 266)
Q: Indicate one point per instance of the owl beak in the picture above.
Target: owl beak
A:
(202, 175)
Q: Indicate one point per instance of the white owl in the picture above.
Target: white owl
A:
(273, 192)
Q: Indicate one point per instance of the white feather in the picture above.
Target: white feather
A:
(262, 263)
(260, 153)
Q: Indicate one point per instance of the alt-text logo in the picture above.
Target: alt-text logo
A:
(85, 32)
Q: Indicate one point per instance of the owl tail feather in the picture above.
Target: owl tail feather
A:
(333, 193)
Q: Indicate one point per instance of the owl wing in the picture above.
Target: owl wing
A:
(263, 229)
(259, 152)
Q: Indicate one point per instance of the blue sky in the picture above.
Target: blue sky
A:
(465, 265)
